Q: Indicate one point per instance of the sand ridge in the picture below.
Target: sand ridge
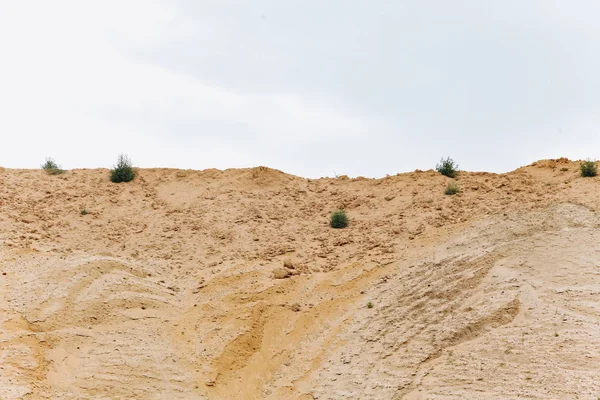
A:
(166, 287)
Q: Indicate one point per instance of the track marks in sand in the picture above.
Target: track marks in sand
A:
(92, 293)
(420, 312)
(274, 336)
(92, 327)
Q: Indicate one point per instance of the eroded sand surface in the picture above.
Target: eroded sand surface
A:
(165, 289)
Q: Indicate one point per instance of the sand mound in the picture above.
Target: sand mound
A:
(230, 284)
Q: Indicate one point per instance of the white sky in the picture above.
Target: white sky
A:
(311, 87)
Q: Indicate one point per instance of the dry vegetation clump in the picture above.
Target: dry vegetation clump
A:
(589, 169)
(52, 168)
(452, 188)
(123, 171)
(339, 219)
(447, 167)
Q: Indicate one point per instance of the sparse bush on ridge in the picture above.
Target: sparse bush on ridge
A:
(447, 167)
(123, 171)
(452, 188)
(51, 167)
(339, 219)
(589, 168)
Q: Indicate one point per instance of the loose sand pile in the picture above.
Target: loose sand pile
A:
(231, 285)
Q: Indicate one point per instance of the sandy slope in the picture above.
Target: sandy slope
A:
(165, 289)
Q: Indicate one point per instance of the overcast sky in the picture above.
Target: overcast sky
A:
(311, 87)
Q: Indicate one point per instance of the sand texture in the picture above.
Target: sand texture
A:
(231, 285)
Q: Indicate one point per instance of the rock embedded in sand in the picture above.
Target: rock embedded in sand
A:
(281, 273)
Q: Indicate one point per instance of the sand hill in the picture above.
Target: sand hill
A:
(231, 285)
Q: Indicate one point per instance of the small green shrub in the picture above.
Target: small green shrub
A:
(123, 171)
(339, 219)
(52, 168)
(589, 168)
(447, 167)
(452, 188)
(370, 304)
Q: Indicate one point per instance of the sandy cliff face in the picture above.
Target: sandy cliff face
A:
(230, 285)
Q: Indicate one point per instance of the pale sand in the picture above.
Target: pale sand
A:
(166, 289)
